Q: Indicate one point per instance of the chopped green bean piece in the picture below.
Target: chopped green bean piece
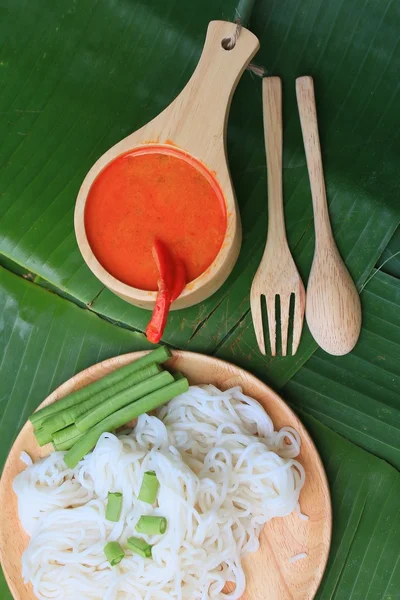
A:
(114, 506)
(114, 553)
(149, 487)
(139, 547)
(151, 525)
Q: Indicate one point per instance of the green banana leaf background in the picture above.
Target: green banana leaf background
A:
(78, 76)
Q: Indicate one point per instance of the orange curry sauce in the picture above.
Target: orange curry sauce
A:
(154, 192)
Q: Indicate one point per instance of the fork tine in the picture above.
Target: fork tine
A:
(271, 323)
(255, 305)
(285, 303)
(298, 317)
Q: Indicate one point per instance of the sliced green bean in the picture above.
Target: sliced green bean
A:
(155, 356)
(139, 547)
(149, 487)
(150, 525)
(114, 553)
(114, 506)
(121, 417)
(120, 400)
(68, 416)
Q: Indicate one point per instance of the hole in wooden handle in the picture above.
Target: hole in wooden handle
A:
(229, 43)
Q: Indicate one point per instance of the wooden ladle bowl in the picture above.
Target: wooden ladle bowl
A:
(195, 124)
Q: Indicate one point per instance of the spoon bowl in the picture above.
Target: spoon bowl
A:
(333, 309)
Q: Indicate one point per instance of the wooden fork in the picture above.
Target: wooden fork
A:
(277, 274)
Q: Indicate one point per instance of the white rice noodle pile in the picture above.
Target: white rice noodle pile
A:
(223, 472)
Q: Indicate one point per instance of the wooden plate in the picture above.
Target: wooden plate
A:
(270, 575)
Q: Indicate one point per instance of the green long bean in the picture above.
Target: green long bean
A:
(69, 415)
(67, 444)
(65, 434)
(120, 400)
(155, 356)
(121, 417)
(42, 436)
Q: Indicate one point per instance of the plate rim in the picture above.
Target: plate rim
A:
(112, 363)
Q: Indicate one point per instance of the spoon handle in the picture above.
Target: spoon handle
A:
(272, 110)
(309, 127)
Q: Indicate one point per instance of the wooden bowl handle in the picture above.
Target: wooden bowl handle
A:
(208, 93)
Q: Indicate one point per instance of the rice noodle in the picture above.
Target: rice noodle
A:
(297, 557)
(223, 471)
(26, 458)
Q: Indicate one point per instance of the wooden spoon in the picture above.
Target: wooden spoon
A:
(333, 309)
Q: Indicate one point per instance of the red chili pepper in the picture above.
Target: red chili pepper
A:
(170, 285)
(158, 319)
(164, 262)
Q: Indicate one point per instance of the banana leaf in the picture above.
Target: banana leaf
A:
(106, 68)
(49, 339)
(45, 341)
(389, 262)
(357, 395)
(78, 76)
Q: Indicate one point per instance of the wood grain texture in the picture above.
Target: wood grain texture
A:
(277, 274)
(270, 576)
(195, 122)
(333, 308)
